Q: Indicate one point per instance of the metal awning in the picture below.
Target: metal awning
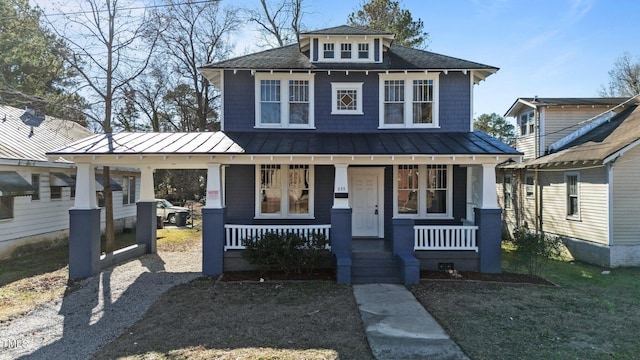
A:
(61, 179)
(100, 184)
(12, 184)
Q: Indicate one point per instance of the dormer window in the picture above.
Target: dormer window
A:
(345, 51)
(328, 51)
(363, 51)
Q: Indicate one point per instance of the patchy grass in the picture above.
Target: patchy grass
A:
(41, 275)
(205, 320)
(588, 316)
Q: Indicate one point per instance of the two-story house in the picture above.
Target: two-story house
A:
(578, 179)
(36, 192)
(344, 134)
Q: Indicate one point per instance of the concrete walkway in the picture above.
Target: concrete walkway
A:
(398, 326)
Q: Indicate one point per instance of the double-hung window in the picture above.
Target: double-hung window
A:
(328, 50)
(507, 192)
(363, 51)
(423, 191)
(284, 100)
(408, 100)
(573, 199)
(128, 190)
(35, 182)
(529, 185)
(527, 124)
(284, 191)
(345, 51)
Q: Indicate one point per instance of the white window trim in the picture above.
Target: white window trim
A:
(284, 100)
(566, 195)
(354, 41)
(335, 86)
(422, 194)
(408, 99)
(530, 121)
(507, 205)
(284, 201)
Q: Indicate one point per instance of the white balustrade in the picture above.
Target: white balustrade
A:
(235, 234)
(445, 238)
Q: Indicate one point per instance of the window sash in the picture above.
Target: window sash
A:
(423, 191)
(328, 51)
(345, 51)
(506, 191)
(573, 202)
(55, 192)
(363, 51)
(285, 191)
(35, 182)
(394, 101)
(6, 207)
(299, 102)
(422, 101)
(270, 102)
(529, 185)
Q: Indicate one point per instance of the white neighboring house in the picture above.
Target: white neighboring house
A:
(36, 194)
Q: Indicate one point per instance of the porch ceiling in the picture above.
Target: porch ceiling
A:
(197, 149)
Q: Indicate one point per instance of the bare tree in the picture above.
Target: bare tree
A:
(624, 78)
(197, 34)
(279, 22)
(110, 47)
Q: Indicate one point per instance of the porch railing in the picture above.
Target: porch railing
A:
(235, 234)
(445, 238)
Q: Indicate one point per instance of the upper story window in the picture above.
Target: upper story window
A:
(346, 98)
(423, 190)
(363, 51)
(284, 100)
(328, 51)
(526, 122)
(345, 51)
(408, 100)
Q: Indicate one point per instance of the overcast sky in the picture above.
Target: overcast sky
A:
(548, 48)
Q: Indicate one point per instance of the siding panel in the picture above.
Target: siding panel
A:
(626, 199)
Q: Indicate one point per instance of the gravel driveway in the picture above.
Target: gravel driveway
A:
(76, 326)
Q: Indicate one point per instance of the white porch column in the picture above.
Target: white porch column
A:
(214, 186)
(341, 187)
(85, 187)
(489, 194)
(146, 185)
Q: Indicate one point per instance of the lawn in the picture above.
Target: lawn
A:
(589, 315)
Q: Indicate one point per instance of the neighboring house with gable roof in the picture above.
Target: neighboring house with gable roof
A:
(584, 187)
(35, 192)
(344, 134)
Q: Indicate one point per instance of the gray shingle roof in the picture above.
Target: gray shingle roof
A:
(288, 142)
(396, 58)
(346, 30)
(520, 103)
(601, 142)
(24, 136)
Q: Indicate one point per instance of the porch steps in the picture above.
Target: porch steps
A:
(371, 267)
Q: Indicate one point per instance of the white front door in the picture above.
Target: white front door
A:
(365, 188)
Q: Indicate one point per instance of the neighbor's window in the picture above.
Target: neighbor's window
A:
(409, 100)
(363, 51)
(6, 207)
(345, 51)
(346, 98)
(506, 192)
(128, 190)
(573, 201)
(423, 190)
(35, 182)
(527, 124)
(285, 190)
(56, 192)
(285, 100)
(529, 189)
(328, 51)
(100, 198)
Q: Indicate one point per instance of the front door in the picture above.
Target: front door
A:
(366, 201)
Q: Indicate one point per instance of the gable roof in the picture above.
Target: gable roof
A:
(25, 136)
(346, 30)
(602, 143)
(535, 102)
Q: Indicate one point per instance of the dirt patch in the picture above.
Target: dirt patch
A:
(320, 275)
(247, 320)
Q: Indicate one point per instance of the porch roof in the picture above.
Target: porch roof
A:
(288, 143)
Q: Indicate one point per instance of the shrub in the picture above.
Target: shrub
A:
(288, 252)
(533, 249)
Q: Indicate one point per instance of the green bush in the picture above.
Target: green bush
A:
(288, 252)
(533, 250)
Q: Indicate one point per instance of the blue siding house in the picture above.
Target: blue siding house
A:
(344, 134)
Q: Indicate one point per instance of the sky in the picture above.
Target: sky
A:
(548, 48)
(545, 48)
